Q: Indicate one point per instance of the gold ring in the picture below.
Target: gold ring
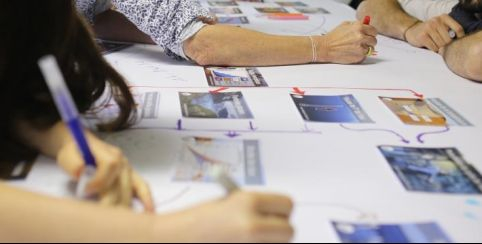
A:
(370, 51)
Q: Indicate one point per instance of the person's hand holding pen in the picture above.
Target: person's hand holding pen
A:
(100, 169)
(434, 33)
(114, 182)
(240, 217)
(348, 43)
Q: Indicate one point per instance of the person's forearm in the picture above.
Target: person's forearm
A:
(387, 17)
(48, 141)
(234, 46)
(464, 57)
(27, 217)
(114, 26)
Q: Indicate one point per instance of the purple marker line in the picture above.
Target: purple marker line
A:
(421, 135)
(238, 131)
(179, 124)
(403, 139)
(232, 134)
(251, 126)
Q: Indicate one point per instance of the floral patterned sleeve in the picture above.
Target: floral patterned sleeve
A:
(163, 20)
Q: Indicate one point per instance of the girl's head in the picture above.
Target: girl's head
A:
(30, 30)
(474, 6)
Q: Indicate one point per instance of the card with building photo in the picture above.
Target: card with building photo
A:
(239, 158)
(226, 105)
(234, 77)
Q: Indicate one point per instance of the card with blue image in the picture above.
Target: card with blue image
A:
(330, 109)
(390, 233)
(434, 170)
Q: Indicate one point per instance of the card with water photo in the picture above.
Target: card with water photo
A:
(330, 109)
(311, 10)
(292, 4)
(226, 105)
(108, 47)
(433, 170)
(234, 77)
(223, 3)
(272, 10)
(233, 20)
(350, 232)
(239, 158)
(225, 10)
(15, 170)
(412, 111)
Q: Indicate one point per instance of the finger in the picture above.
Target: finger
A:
(274, 204)
(444, 33)
(143, 192)
(110, 197)
(107, 172)
(442, 51)
(455, 26)
(369, 41)
(125, 187)
(368, 50)
(369, 30)
(430, 44)
(437, 39)
(275, 229)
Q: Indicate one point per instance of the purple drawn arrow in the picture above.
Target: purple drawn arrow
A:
(421, 135)
(179, 124)
(403, 139)
(251, 126)
(232, 134)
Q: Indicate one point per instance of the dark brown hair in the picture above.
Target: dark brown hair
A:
(31, 30)
(473, 6)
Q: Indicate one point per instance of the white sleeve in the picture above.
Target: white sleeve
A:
(188, 32)
(427, 9)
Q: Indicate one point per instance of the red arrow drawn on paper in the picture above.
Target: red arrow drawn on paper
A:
(219, 90)
(298, 91)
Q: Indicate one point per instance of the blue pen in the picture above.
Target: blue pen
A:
(70, 115)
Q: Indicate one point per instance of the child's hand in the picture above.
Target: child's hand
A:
(114, 182)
